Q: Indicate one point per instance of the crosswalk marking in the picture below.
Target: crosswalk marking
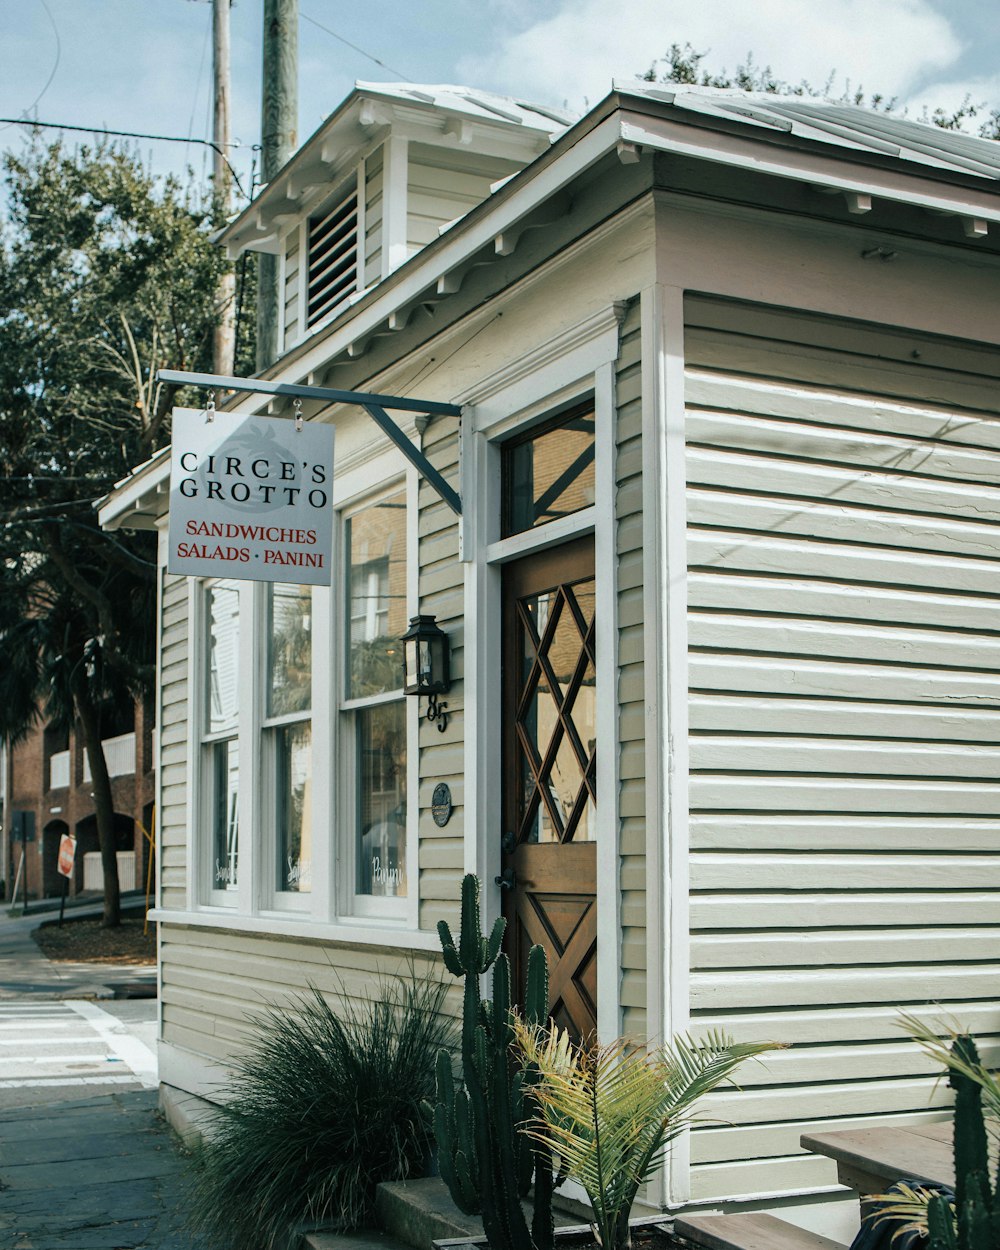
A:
(91, 1047)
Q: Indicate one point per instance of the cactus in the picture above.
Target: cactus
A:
(484, 1158)
(976, 1222)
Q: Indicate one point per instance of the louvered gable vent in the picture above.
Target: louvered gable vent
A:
(333, 255)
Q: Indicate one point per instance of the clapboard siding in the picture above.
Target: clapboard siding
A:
(844, 624)
(373, 185)
(173, 735)
(441, 588)
(443, 185)
(632, 721)
(216, 983)
(293, 287)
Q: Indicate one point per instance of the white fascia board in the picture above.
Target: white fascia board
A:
(144, 495)
(463, 240)
(819, 169)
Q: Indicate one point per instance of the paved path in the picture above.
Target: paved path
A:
(98, 1173)
(86, 1161)
(25, 971)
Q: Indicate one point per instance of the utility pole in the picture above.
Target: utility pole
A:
(279, 119)
(225, 330)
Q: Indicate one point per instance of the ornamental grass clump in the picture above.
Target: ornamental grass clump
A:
(324, 1106)
(609, 1112)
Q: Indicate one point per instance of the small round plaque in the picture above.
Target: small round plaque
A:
(441, 804)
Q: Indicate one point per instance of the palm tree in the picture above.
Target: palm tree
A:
(609, 1112)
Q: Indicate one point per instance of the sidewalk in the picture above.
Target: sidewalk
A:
(92, 1174)
(82, 1170)
(25, 971)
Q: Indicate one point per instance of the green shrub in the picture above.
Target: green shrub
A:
(323, 1107)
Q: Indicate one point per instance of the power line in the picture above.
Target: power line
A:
(125, 134)
(55, 64)
(347, 43)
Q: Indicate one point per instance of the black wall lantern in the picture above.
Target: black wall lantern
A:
(426, 665)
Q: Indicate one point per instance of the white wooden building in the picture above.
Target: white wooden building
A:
(723, 599)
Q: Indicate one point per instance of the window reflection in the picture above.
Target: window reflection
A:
(222, 611)
(381, 782)
(376, 558)
(549, 474)
(289, 649)
(294, 807)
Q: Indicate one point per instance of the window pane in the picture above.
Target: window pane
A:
(376, 595)
(224, 770)
(223, 612)
(289, 657)
(293, 807)
(381, 785)
(549, 475)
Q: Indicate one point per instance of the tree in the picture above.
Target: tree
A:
(683, 64)
(105, 276)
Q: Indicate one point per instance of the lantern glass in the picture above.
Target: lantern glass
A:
(425, 657)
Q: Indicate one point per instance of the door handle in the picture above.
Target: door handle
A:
(507, 879)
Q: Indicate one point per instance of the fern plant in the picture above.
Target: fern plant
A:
(609, 1112)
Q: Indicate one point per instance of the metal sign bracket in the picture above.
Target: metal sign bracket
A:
(374, 405)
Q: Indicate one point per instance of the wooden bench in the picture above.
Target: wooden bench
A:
(749, 1230)
(871, 1159)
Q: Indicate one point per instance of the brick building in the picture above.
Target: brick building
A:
(45, 792)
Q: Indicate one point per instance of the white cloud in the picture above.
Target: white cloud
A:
(884, 45)
(950, 95)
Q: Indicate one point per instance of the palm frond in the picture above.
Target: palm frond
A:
(940, 1049)
(906, 1206)
(610, 1111)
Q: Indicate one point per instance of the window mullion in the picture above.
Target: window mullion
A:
(250, 771)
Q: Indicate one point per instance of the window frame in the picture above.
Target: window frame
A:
(206, 740)
(267, 727)
(352, 902)
(332, 909)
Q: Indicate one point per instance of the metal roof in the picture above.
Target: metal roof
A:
(482, 105)
(844, 126)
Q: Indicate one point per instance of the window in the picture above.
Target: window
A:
(332, 254)
(549, 472)
(303, 804)
(374, 709)
(287, 731)
(220, 741)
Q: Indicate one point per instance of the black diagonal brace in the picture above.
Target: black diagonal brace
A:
(374, 405)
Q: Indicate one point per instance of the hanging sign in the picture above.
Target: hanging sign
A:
(67, 854)
(250, 498)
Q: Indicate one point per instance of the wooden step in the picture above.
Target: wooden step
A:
(749, 1230)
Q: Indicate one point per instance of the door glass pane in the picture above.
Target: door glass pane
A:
(381, 789)
(556, 716)
(224, 770)
(289, 642)
(550, 474)
(376, 597)
(223, 615)
(293, 807)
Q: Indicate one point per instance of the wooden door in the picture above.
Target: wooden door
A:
(549, 861)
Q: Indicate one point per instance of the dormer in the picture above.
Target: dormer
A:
(383, 175)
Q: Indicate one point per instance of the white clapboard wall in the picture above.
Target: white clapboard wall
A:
(844, 615)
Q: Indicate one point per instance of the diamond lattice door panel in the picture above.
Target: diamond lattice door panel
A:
(550, 757)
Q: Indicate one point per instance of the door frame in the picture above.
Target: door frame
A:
(521, 396)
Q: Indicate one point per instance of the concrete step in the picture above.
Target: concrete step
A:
(749, 1230)
(420, 1212)
(369, 1239)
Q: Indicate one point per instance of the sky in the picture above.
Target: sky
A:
(145, 65)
